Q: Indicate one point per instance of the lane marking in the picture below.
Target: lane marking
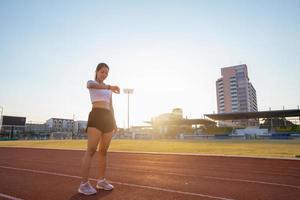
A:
(217, 178)
(9, 197)
(202, 176)
(118, 183)
(275, 173)
(172, 191)
(267, 172)
(251, 181)
(180, 174)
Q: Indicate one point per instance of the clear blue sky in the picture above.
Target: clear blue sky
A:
(170, 52)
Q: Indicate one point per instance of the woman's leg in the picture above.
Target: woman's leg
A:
(93, 140)
(103, 147)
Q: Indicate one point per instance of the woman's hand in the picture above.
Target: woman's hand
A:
(115, 89)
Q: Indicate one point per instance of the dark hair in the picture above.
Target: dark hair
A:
(100, 66)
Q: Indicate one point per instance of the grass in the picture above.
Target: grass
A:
(270, 148)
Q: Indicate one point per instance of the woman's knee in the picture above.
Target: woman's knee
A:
(102, 151)
(91, 150)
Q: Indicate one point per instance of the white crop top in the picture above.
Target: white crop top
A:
(99, 94)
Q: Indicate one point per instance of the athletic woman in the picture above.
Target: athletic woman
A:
(100, 128)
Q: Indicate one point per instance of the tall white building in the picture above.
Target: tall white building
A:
(235, 93)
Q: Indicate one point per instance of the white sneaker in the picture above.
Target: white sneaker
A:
(103, 184)
(86, 189)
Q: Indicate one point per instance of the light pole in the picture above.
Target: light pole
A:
(128, 92)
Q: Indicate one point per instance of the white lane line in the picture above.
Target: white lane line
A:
(251, 181)
(112, 167)
(9, 197)
(119, 183)
(276, 173)
(199, 176)
(172, 191)
(216, 178)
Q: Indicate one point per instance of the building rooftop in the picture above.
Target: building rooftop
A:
(255, 115)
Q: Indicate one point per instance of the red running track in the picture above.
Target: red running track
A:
(41, 174)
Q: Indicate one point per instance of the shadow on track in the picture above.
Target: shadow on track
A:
(99, 195)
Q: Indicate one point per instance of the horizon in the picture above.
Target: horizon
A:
(171, 53)
(146, 122)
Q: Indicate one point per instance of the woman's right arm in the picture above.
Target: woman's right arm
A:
(95, 85)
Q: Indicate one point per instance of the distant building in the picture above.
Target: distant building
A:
(37, 127)
(61, 125)
(141, 132)
(161, 123)
(80, 128)
(235, 93)
(173, 124)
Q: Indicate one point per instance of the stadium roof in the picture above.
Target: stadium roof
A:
(254, 115)
(196, 121)
(187, 121)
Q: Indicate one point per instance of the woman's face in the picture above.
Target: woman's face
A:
(102, 74)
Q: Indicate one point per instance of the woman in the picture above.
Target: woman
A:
(100, 128)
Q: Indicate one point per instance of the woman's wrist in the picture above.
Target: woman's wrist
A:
(108, 87)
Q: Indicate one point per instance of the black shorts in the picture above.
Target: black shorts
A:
(102, 119)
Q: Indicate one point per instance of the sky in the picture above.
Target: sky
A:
(170, 52)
